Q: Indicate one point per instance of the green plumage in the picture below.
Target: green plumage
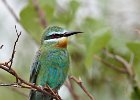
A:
(51, 63)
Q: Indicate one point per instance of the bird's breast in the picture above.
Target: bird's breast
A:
(54, 68)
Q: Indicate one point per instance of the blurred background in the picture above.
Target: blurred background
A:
(106, 56)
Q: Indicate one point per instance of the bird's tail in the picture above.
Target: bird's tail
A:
(35, 95)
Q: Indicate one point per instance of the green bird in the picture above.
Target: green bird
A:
(51, 63)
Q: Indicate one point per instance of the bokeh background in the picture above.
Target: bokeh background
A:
(106, 56)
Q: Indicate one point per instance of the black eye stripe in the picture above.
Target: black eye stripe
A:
(56, 35)
(53, 36)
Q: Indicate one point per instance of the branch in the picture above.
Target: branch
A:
(108, 64)
(69, 85)
(20, 83)
(13, 52)
(40, 12)
(3, 79)
(1, 46)
(79, 82)
(11, 10)
(14, 89)
(126, 66)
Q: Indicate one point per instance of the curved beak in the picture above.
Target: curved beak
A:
(66, 34)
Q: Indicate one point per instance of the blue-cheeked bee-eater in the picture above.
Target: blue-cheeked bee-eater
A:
(51, 64)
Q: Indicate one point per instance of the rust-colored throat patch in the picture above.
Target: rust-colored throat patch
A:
(62, 42)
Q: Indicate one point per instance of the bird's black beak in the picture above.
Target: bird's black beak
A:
(66, 34)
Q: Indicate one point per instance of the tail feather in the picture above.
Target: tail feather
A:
(35, 95)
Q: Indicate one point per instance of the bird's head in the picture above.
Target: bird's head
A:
(56, 36)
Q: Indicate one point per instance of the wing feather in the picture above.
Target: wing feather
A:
(35, 68)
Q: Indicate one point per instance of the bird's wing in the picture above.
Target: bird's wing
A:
(35, 68)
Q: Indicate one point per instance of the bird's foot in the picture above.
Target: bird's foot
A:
(41, 87)
(55, 91)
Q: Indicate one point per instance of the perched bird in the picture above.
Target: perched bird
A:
(51, 63)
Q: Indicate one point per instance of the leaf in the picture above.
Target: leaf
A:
(98, 41)
(29, 20)
(118, 43)
(135, 95)
(135, 48)
(66, 16)
(48, 7)
(90, 24)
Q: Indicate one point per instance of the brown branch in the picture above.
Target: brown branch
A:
(11, 10)
(125, 64)
(24, 84)
(55, 93)
(3, 79)
(80, 83)
(69, 85)
(128, 67)
(14, 85)
(20, 83)
(40, 12)
(116, 68)
(19, 92)
(11, 84)
(13, 52)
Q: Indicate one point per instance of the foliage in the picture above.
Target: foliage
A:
(104, 83)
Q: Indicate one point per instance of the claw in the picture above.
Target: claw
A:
(41, 87)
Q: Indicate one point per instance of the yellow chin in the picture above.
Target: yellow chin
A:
(62, 43)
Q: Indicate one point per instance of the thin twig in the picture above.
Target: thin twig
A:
(1, 46)
(116, 68)
(52, 92)
(14, 85)
(13, 52)
(29, 85)
(69, 85)
(80, 83)
(40, 12)
(11, 10)
(11, 84)
(128, 67)
(20, 83)
(19, 92)
(3, 79)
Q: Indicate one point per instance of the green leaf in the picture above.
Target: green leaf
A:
(98, 41)
(118, 43)
(66, 16)
(135, 48)
(30, 21)
(48, 7)
(90, 24)
(135, 95)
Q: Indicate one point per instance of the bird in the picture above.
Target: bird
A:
(51, 64)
